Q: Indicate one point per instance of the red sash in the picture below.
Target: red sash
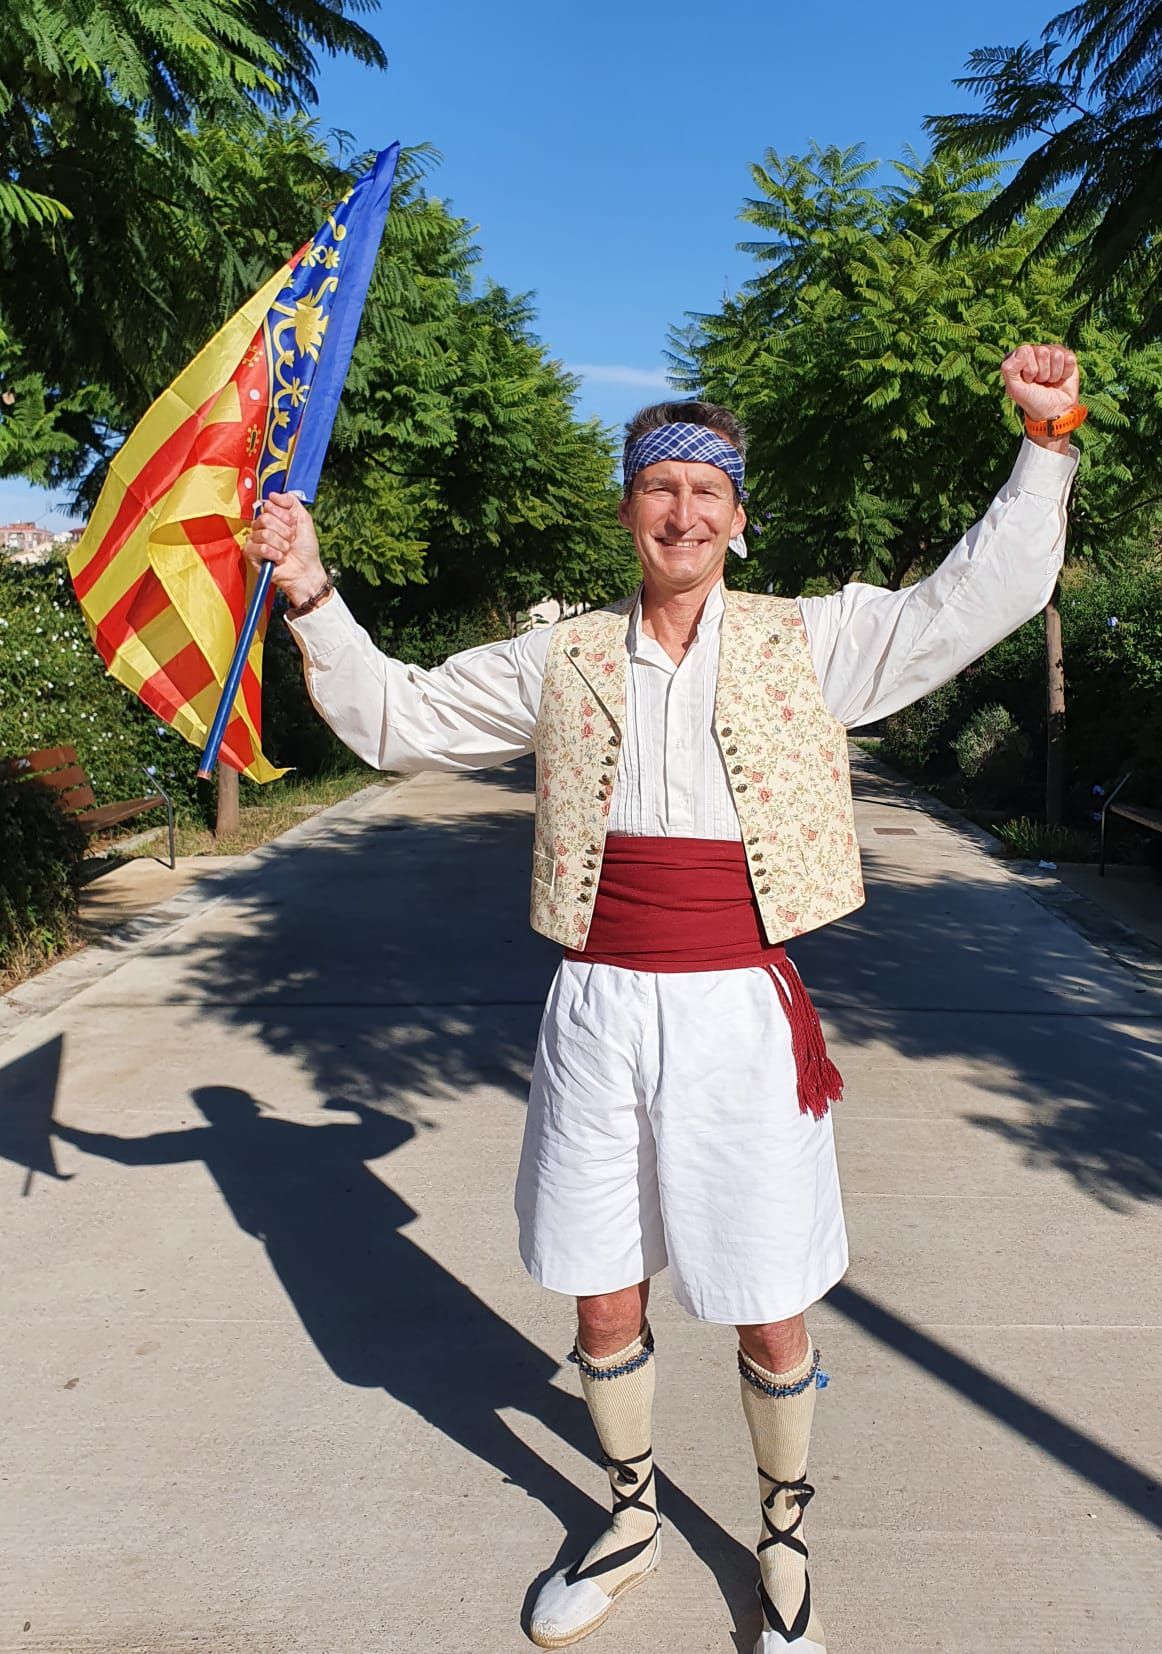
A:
(686, 904)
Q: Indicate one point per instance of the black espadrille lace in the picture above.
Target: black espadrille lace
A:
(622, 1473)
(802, 1493)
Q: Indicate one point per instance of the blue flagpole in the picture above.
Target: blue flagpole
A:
(234, 675)
(314, 433)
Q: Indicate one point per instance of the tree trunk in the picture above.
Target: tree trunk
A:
(1054, 712)
(226, 820)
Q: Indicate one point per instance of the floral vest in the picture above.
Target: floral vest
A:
(786, 760)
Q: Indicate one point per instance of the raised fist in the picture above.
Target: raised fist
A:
(1042, 379)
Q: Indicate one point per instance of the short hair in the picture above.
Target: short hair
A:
(693, 412)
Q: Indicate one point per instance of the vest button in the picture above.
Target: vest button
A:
(595, 849)
(593, 866)
(758, 856)
(774, 637)
(584, 896)
(765, 891)
(731, 752)
(753, 840)
(574, 652)
(606, 780)
(741, 788)
(736, 769)
(586, 883)
(613, 740)
(726, 732)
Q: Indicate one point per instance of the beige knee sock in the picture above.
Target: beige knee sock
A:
(619, 1390)
(779, 1408)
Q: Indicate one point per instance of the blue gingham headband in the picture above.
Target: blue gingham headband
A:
(695, 443)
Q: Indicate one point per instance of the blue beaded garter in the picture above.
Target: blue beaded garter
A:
(816, 1376)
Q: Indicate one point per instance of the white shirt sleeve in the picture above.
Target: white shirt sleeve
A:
(876, 651)
(478, 708)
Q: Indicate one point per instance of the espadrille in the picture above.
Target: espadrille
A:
(569, 1608)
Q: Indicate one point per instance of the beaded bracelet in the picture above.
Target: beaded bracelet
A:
(301, 609)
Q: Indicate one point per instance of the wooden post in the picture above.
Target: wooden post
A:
(1054, 712)
(226, 819)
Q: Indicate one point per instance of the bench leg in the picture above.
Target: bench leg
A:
(173, 862)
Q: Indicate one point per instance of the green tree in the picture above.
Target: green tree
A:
(865, 364)
(102, 192)
(1088, 97)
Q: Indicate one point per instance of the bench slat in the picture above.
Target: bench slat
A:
(110, 815)
(36, 763)
(76, 798)
(1138, 813)
(61, 780)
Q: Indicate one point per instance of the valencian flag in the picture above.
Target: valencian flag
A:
(159, 570)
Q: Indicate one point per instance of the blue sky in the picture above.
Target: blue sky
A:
(603, 150)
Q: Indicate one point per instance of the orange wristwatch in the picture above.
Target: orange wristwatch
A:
(1061, 426)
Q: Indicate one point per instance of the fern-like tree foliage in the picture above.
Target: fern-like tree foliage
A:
(864, 357)
(1088, 98)
(865, 362)
(100, 185)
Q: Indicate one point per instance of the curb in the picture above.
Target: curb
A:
(53, 987)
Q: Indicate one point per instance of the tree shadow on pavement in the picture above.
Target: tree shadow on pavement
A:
(974, 969)
(384, 1314)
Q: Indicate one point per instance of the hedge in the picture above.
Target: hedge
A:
(1112, 633)
(54, 691)
(40, 866)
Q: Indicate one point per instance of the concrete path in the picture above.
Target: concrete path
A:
(273, 1380)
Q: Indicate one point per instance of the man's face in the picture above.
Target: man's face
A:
(682, 515)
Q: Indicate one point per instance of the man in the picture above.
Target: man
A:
(693, 813)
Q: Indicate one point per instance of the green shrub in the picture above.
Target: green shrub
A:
(40, 862)
(915, 738)
(55, 691)
(993, 754)
(1112, 632)
(1042, 843)
(989, 729)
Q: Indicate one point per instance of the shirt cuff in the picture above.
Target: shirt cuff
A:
(1040, 471)
(329, 627)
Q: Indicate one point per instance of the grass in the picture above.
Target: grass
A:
(282, 804)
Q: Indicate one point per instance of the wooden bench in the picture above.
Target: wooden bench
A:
(1137, 813)
(59, 769)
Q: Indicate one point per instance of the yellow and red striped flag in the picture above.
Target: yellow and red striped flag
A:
(159, 571)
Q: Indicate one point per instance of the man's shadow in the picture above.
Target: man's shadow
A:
(384, 1314)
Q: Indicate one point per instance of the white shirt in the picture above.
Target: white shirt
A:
(874, 651)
